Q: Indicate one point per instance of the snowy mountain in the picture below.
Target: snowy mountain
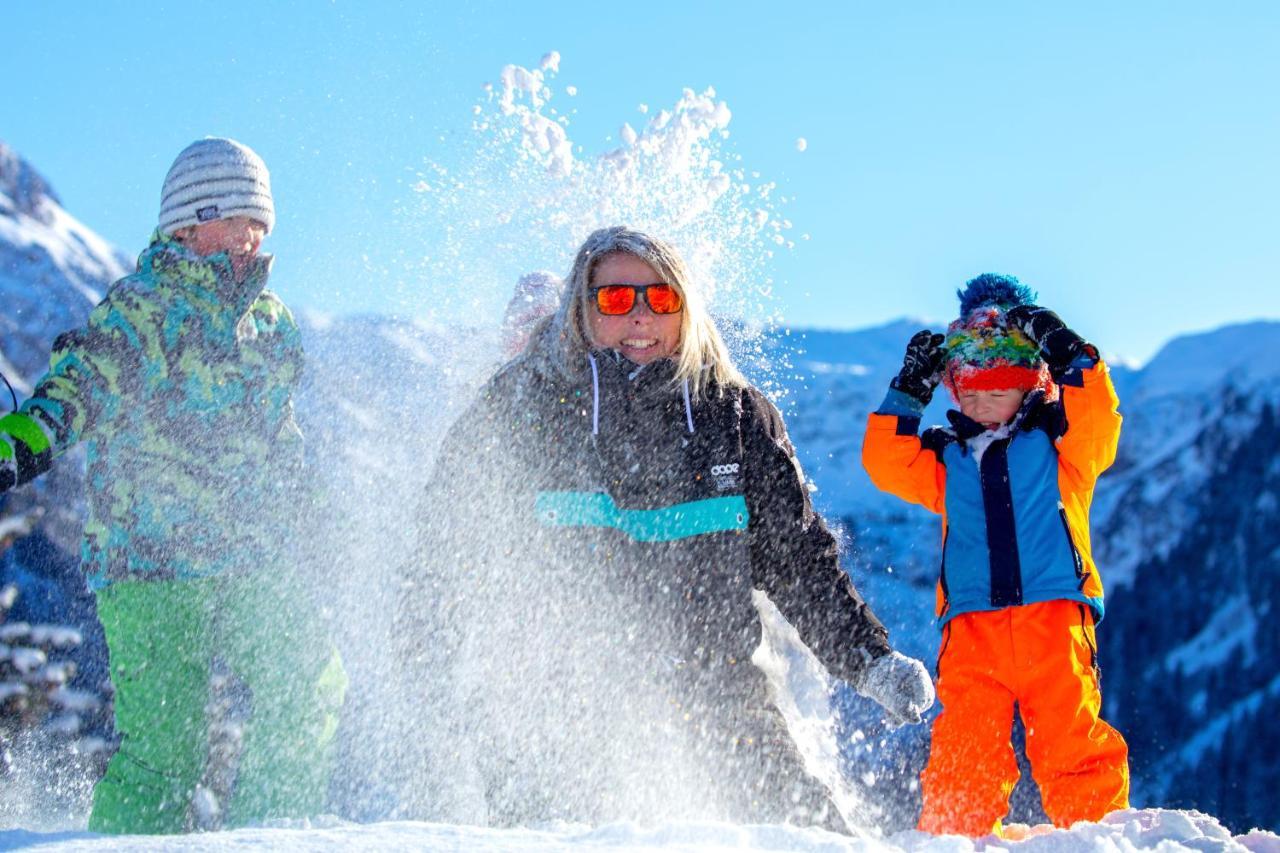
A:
(53, 269)
(1191, 527)
(1185, 526)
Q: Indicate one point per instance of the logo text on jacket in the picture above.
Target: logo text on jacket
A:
(725, 476)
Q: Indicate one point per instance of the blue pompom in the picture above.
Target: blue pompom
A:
(1003, 291)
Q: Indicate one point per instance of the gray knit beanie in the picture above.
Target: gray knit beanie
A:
(212, 179)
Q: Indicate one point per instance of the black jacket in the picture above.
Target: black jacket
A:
(589, 552)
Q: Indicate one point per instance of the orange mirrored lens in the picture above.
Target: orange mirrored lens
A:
(663, 299)
(615, 299)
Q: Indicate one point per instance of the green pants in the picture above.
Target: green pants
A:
(162, 638)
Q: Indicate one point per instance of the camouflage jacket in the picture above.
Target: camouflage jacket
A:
(181, 387)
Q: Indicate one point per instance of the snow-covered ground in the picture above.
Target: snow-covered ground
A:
(1145, 829)
(800, 687)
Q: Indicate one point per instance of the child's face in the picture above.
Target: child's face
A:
(238, 236)
(991, 408)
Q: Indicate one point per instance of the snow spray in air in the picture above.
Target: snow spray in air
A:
(525, 196)
(515, 195)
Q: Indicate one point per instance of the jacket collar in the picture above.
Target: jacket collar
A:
(209, 281)
(964, 426)
(610, 368)
(614, 365)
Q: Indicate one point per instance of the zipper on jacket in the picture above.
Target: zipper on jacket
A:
(1093, 649)
(1003, 560)
(942, 574)
(942, 650)
(1081, 574)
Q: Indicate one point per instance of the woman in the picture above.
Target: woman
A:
(580, 611)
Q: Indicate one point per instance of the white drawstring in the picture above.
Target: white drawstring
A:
(688, 408)
(595, 396)
(595, 399)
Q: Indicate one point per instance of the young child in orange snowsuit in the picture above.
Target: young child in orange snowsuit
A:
(1019, 595)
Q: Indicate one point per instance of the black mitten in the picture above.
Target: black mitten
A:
(1058, 344)
(921, 366)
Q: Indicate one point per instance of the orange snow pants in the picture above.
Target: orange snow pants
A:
(1041, 656)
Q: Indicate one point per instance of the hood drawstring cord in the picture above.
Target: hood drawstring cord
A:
(595, 396)
(595, 399)
(688, 407)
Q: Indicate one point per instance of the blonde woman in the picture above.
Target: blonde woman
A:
(579, 617)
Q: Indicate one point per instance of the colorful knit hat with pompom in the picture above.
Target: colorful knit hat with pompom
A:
(983, 352)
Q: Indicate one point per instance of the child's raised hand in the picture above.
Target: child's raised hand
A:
(921, 366)
(1058, 344)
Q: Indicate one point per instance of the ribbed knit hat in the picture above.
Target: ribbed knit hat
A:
(984, 353)
(213, 179)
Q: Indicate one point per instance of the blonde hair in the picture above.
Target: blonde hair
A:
(702, 357)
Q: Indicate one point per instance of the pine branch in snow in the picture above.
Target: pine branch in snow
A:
(33, 680)
(14, 527)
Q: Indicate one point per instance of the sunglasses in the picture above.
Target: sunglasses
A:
(616, 299)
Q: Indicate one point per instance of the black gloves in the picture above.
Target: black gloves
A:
(8, 468)
(921, 366)
(1059, 345)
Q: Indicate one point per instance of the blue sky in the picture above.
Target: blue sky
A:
(1120, 158)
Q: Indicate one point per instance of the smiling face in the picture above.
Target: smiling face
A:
(239, 236)
(642, 336)
(991, 408)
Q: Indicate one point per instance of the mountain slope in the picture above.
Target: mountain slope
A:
(53, 269)
(1193, 678)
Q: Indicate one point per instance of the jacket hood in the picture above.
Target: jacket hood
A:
(544, 354)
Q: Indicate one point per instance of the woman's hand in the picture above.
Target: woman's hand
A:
(899, 684)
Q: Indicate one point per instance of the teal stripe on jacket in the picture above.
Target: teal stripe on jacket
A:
(680, 521)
